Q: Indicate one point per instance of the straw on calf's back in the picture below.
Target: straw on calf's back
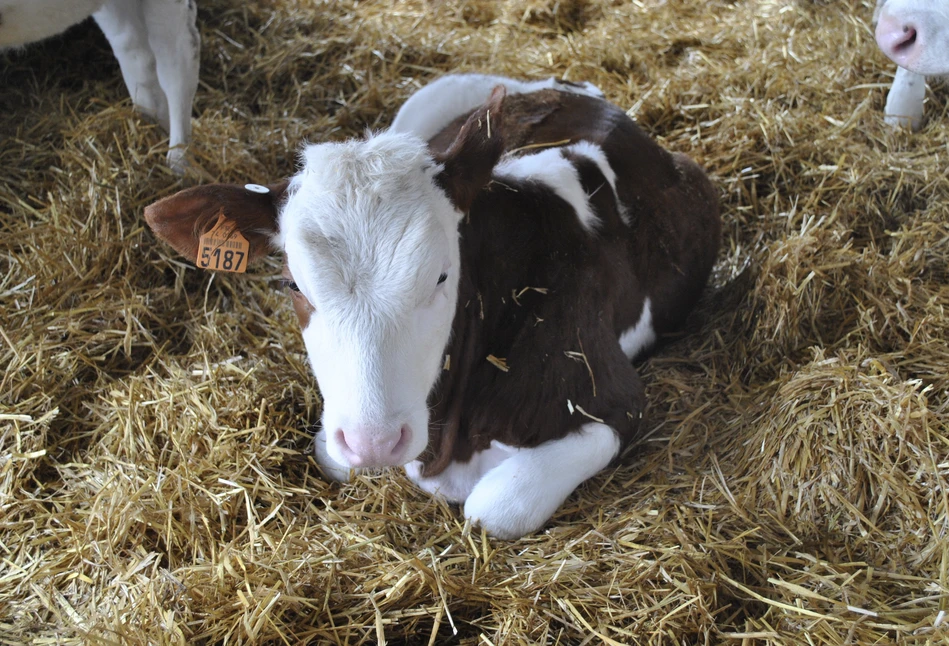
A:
(506, 293)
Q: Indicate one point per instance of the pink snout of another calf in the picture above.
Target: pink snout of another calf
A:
(902, 39)
(373, 445)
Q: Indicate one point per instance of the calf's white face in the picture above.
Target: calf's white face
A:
(371, 244)
(915, 34)
(369, 231)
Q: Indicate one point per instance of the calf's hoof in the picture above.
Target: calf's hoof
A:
(178, 160)
(913, 123)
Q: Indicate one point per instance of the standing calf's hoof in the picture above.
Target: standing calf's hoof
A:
(178, 160)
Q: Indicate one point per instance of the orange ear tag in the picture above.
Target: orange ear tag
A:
(223, 248)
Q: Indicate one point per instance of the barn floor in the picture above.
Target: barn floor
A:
(793, 485)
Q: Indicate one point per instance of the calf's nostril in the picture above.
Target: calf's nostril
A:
(900, 38)
(405, 436)
(340, 438)
(908, 39)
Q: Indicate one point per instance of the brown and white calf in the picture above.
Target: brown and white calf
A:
(470, 305)
(915, 35)
(155, 41)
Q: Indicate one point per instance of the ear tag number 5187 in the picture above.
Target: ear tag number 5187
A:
(223, 248)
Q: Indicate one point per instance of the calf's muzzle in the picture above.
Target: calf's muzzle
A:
(902, 40)
(373, 445)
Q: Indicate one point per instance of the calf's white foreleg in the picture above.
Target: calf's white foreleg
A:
(904, 103)
(520, 494)
(456, 482)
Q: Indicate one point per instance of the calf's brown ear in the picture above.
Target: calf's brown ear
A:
(181, 219)
(473, 154)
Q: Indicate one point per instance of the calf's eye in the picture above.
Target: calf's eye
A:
(292, 286)
(442, 278)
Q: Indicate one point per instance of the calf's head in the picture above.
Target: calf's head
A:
(369, 234)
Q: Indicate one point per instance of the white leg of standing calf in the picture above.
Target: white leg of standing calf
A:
(156, 43)
(521, 494)
(123, 24)
(176, 44)
(904, 103)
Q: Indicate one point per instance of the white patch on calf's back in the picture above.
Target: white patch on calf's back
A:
(595, 154)
(558, 173)
(640, 336)
(436, 105)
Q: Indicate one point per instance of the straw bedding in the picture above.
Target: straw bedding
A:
(156, 484)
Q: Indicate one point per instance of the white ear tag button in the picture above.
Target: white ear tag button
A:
(256, 188)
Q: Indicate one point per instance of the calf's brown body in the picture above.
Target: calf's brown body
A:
(542, 300)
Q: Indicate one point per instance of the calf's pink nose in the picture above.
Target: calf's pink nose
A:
(899, 39)
(373, 446)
